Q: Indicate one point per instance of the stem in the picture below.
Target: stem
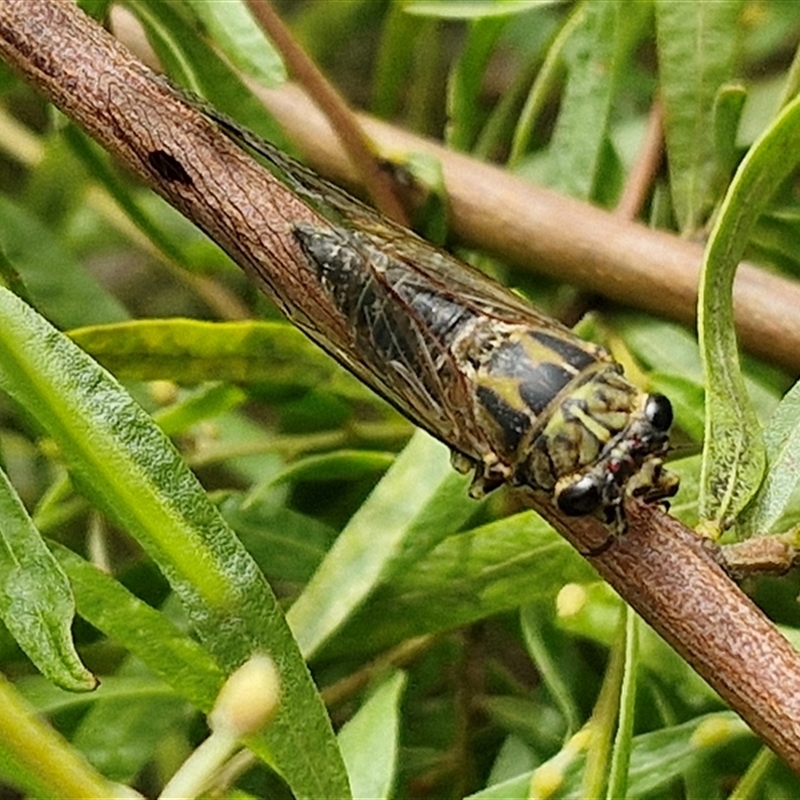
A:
(55, 766)
(335, 108)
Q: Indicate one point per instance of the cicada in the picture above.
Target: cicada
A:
(518, 398)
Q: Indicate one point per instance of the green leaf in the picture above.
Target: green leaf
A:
(782, 443)
(34, 756)
(231, 27)
(192, 62)
(150, 223)
(170, 654)
(208, 402)
(734, 458)
(728, 107)
(369, 741)
(472, 9)
(696, 49)
(11, 279)
(48, 699)
(394, 68)
(467, 577)
(286, 544)
(337, 466)
(623, 738)
(466, 82)
(59, 286)
(125, 729)
(36, 602)
(658, 758)
(192, 351)
(535, 627)
(594, 57)
(543, 87)
(127, 466)
(419, 501)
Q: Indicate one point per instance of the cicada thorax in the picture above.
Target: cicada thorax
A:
(524, 382)
(526, 403)
(562, 419)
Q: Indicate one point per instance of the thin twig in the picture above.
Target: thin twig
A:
(645, 167)
(354, 140)
(669, 575)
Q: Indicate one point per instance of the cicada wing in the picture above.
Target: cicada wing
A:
(396, 331)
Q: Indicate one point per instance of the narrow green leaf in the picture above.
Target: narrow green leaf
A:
(593, 57)
(121, 735)
(286, 544)
(623, 737)
(782, 443)
(543, 87)
(231, 27)
(337, 466)
(36, 602)
(207, 402)
(466, 82)
(49, 699)
(775, 237)
(170, 654)
(392, 78)
(733, 460)
(193, 351)
(534, 625)
(658, 758)
(696, 49)
(127, 466)
(150, 223)
(59, 286)
(467, 577)
(728, 107)
(419, 501)
(37, 758)
(11, 279)
(370, 741)
(472, 9)
(191, 61)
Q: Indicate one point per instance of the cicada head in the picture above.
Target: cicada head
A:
(630, 463)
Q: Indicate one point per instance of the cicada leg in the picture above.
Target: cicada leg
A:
(652, 483)
(489, 474)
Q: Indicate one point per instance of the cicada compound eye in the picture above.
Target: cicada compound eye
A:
(580, 498)
(658, 412)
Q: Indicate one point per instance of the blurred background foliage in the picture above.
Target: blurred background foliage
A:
(517, 637)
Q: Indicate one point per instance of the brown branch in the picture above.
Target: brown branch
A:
(666, 573)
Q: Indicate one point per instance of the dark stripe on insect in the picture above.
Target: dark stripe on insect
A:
(439, 315)
(346, 264)
(572, 355)
(513, 424)
(539, 382)
(544, 383)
